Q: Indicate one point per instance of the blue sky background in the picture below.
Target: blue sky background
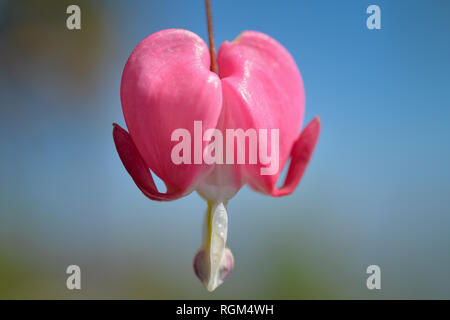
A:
(375, 192)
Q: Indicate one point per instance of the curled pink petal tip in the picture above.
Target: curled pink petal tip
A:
(137, 168)
(301, 154)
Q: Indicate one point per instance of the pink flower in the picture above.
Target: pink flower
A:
(167, 84)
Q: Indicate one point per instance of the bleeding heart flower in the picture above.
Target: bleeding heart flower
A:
(167, 84)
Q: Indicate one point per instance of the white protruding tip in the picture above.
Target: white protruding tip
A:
(214, 262)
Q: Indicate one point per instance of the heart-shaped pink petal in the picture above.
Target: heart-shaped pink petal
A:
(167, 85)
(262, 89)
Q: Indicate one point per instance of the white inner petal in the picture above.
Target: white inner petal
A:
(219, 229)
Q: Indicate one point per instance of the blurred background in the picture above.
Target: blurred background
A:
(376, 191)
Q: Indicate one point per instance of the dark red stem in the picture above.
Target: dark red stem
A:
(212, 47)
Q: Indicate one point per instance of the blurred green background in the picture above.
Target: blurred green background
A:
(375, 192)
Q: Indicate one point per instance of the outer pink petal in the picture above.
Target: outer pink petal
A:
(262, 89)
(300, 155)
(166, 85)
(137, 168)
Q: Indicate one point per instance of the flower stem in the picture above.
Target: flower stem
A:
(212, 47)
